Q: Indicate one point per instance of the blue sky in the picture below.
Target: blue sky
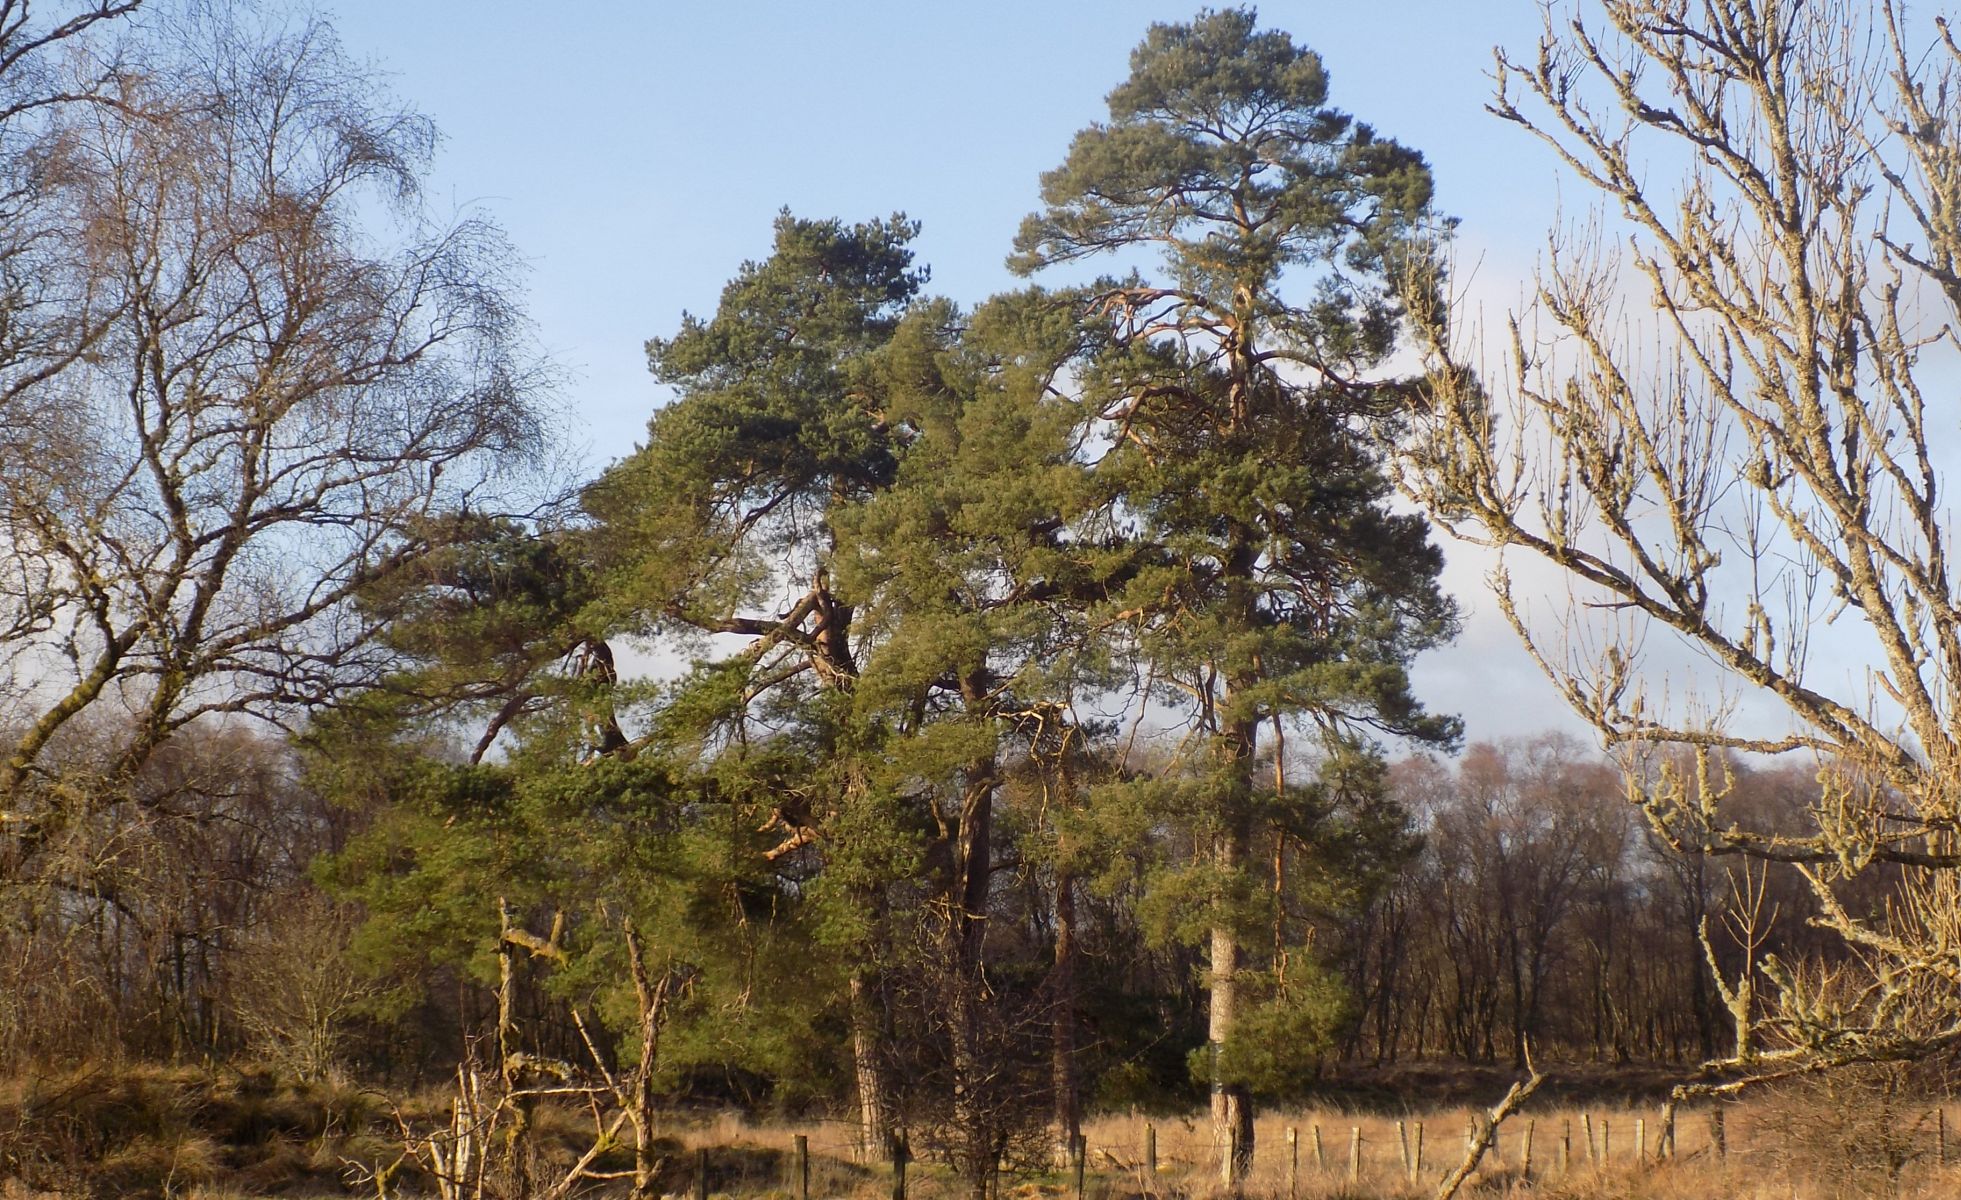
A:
(637, 152)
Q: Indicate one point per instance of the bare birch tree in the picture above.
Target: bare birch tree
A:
(240, 372)
(1716, 425)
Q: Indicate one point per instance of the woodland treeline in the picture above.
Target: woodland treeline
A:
(957, 714)
(1524, 900)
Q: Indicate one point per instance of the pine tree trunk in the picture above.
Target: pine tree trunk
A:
(1232, 1104)
(832, 660)
(973, 874)
(867, 1039)
(1068, 1114)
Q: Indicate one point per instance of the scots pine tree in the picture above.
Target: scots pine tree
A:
(972, 589)
(1238, 412)
(723, 524)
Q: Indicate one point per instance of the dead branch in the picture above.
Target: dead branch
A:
(1487, 1127)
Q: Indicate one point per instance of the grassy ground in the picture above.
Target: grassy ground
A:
(140, 1133)
(156, 1132)
(1789, 1148)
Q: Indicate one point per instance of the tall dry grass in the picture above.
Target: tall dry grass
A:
(1810, 1145)
(1799, 1146)
(157, 1133)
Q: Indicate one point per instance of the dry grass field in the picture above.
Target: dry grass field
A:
(183, 1134)
(1789, 1148)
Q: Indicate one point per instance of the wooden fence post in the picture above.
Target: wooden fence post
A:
(1354, 1153)
(901, 1151)
(1150, 1160)
(1416, 1161)
(701, 1173)
(803, 1166)
(1293, 1161)
(1640, 1140)
(1525, 1154)
(1402, 1143)
(1320, 1156)
(1566, 1148)
(1586, 1127)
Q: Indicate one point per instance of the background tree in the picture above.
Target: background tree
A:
(239, 370)
(296, 990)
(490, 634)
(121, 943)
(32, 47)
(1757, 478)
(973, 586)
(1238, 420)
(246, 404)
(723, 524)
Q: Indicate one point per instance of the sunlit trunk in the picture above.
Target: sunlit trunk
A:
(867, 1039)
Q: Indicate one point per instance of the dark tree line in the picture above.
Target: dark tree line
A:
(1522, 899)
(1540, 908)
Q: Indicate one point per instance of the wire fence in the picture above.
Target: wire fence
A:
(1300, 1157)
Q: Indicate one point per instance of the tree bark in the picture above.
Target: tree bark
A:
(972, 876)
(867, 1036)
(1232, 1104)
(1068, 1112)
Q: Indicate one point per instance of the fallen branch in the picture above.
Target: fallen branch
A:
(1487, 1132)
